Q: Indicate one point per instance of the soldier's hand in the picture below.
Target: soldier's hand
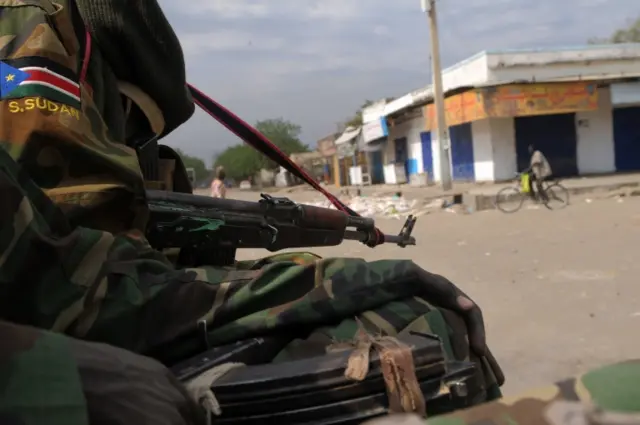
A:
(441, 292)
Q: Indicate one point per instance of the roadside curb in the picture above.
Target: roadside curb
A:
(482, 202)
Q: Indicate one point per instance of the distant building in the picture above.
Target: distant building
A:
(580, 106)
(331, 165)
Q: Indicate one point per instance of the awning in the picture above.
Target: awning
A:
(349, 134)
(375, 130)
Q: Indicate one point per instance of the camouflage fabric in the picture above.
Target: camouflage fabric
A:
(73, 259)
(48, 378)
(72, 154)
(95, 285)
(607, 395)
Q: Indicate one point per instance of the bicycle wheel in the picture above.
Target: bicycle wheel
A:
(556, 197)
(509, 200)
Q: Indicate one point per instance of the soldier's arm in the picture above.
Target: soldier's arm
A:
(49, 378)
(53, 120)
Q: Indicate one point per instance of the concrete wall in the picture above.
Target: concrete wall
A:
(494, 144)
(533, 65)
(494, 149)
(505, 160)
(435, 154)
(595, 137)
(587, 62)
(483, 150)
(625, 94)
(468, 72)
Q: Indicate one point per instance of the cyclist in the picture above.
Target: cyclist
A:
(539, 170)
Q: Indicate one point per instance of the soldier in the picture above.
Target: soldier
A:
(97, 79)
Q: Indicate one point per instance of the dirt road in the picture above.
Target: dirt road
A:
(559, 290)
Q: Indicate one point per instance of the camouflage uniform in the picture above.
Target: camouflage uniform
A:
(73, 258)
(609, 395)
(47, 378)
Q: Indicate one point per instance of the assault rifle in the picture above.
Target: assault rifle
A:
(209, 230)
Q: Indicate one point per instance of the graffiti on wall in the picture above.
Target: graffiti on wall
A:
(539, 99)
(515, 100)
(459, 109)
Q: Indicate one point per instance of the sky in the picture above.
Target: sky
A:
(314, 62)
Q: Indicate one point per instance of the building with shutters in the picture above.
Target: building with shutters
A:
(579, 106)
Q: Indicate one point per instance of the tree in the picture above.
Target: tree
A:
(284, 134)
(196, 163)
(239, 161)
(356, 120)
(628, 34)
(242, 161)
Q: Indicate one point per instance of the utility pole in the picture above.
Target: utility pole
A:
(429, 7)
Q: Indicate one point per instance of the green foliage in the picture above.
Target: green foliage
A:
(356, 120)
(242, 161)
(628, 34)
(196, 163)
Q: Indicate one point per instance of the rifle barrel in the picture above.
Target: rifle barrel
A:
(363, 236)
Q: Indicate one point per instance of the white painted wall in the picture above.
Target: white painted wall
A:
(435, 154)
(389, 150)
(503, 134)
(374, 111)
(482, 150)
(595, 137)
(494, 149)
(625, 94)
(410, 129)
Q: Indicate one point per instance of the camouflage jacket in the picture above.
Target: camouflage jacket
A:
(65, 124)
(48, 378)
(609, 395)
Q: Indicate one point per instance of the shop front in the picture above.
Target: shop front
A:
(327, 149)
(346, 149)
(625, 100)
(373, 143)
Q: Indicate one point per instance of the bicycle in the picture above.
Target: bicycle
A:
(554, 196)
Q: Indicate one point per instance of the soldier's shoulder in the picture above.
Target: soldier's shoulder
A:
(37, 366)
(38, 36)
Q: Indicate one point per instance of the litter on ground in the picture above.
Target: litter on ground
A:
(387, 206)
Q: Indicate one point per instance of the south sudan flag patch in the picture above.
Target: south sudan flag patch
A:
(39, 77)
